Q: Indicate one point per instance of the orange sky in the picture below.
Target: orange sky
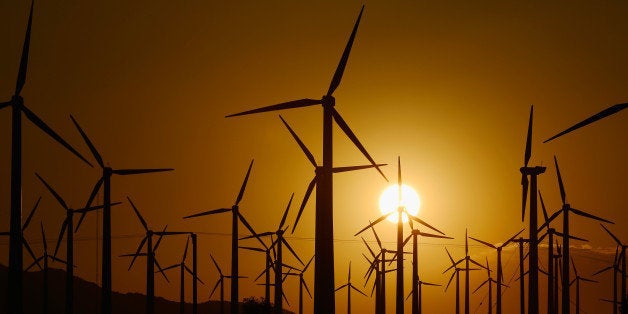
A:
(446, 86)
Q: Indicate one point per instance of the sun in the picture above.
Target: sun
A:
(389, 201)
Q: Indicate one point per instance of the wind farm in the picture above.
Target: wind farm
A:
(460, 91)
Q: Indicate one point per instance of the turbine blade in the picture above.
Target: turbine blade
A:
(345, 57)
(36, 262)
(543, 206)
(417, 219)
(430, 235)
(306, 288)
(450, 258)
(292, 250)
(263, 234)
(30, 215)
(63, 227)
(368, 247)
(89, 143)
(560, 181)
(137, 252)
(171, 267)
(185, 251)
(358, 290)
(4, 104)
(450, 279)
(124, 172)
(379, 243)
(252, 248)
(209, 212)
(248, 226)
(528, 152)
(286, 105)
(30, 252)
(243, 187)
(53, 192)
(602, 114)
(308, 192)
(345, 128)
(161, 270)
(378, 220)
(524, 195)
(341, 287)
(354, 168)
(552, 217)
(308, 264)
(571, 236)
(480, 286)
(304, 148)
(137, 212)
(587, 280)
(574, 267)
(44, 127)
(285, 213)
(43, 237)
(21, 75)
(512, 239)
(612, 235)
(216, 286)
(485, 243)
(89, 201)
(216, 264)
(584, 214)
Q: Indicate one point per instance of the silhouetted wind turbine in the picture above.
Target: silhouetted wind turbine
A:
(374, 266)
(268, 266)
(602, 114)
(380, 259)
(419, 286)
(522, 297)
(616, 269)
(45, 257)
(221, 282)
(150, 259)
(401, 209)
(490, 282)
(302, 284)
(68, 224)
(235, 217)
(565, 211)
(622, 256)
(456, 273)
(551, 232)
(280, 241)
(467, 259)
(350, 286)
(533, 172)
(15, 236)
(416, 294)
(105, 181)
(324, 301)
(24, 226)
(500, 274)
(577, 281)
(183, 268)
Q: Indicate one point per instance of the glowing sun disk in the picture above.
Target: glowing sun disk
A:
(389, 202)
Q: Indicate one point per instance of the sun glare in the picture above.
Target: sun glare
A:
(389, 202)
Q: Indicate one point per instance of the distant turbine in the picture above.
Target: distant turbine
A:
(379, 260)
(565, 211)
(349, 286)
(500, 274)
(400, 211)
(68, 224)
(616, 269)
(221, 282)
(183, 268)
(456, 272)
(577, 281)
(467, 259)
(522, 298)
(419, 286)
(105, 181)
(533, 172)
(24, 226)
(302, 284)
(269, 264)
(602, 114)
(490, 282)
(15, 236)
(235, 217)
(622, 256)
(324, 300)
(279, 242)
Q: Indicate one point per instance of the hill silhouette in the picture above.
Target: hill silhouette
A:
(87, 297)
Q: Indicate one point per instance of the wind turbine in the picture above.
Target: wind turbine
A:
(183, 268)
(401, 209)
(467, 259)
(68, 224)
(533, 172)
(500, 274)
(616, 269)
(150, 259)
(17, 108)
(235, 217)
(565, 211)
(490, 282)
(45, 257)
(602, 114)
(349, 286)
(379, 260)
(24, 226)
(280, 241)
(221, 282)
(374, 266)
(550, 233)
(302, 284)
(456, 273)
(416, 293)
(324, 300)
(105, 182)
(622, 256)
(419, 286)
(522, 297)
(577, 281)
(268, 266)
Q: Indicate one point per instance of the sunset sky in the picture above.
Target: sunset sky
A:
(445, 85)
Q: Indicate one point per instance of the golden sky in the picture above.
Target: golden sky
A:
(446, 85)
